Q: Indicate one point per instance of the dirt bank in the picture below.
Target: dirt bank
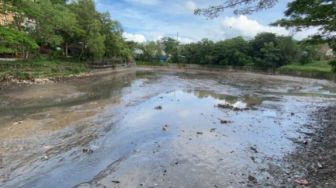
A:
(315, 156)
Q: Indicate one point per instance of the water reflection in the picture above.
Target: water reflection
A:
(187, 142)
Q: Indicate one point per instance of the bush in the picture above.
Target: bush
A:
(333, 65)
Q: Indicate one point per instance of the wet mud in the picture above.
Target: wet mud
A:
(164, 128)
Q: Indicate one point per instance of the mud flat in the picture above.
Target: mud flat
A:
(168, 128)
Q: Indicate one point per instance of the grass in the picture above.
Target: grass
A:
(317, 69)
(28, 70)
(146, 63)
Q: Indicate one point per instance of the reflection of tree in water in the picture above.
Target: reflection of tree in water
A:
(248, 99)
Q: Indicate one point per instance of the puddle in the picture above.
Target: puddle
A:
(111, 132)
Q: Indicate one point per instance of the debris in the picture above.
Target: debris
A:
(254, 149)
(227, 106)
(224, 121)
(158, 108)
(45, 157)
(252, 179)
(303, 182)
(18, 123)
(164, 128)
(87, 150)
(231, 107)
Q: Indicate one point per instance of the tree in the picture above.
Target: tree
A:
(114, 43)
(12, 41)
(303, 14)
(89, 21)
(171, 48)
(269, 50)
(242, 7)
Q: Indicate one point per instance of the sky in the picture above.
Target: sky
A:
(146, 20)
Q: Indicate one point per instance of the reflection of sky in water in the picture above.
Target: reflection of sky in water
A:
(134, 128)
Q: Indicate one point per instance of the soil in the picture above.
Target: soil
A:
(163, 128)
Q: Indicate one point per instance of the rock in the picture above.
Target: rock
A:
(254, 149)
(225, 106)
(231, 107)
(303, 182)
(165, 128)
(87, 150)
(18, 123)
(224, 121)
(158, 108)
(252, 179)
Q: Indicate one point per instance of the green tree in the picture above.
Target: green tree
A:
(12, 41)
(89, 21)
(240, 6)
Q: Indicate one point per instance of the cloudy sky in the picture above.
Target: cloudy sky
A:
(145, 20)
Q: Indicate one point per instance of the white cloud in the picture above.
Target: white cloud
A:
(191, 5)
(134, 37)
(250, 28)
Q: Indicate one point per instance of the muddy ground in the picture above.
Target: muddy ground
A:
(169, 128)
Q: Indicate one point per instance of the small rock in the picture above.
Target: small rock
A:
(292, 114)
(213, 130)
(254, 149)
(164, 129)
(319, 165)
(116, 182)
(199, 133)
(224, 121)
(87, 150)
(303, 182)
(252, 179)
(45, 157)
(17, 123)
(158, 108)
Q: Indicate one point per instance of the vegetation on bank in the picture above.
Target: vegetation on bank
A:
(317, 69)
(151, 63)
(43, 68)
(59, 28)
(265, 51)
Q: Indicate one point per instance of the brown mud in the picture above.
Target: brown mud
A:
(166, 128)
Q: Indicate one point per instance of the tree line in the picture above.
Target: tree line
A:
(60, 28)
(265, 50)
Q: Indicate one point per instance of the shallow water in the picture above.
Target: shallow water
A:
(188, 142)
